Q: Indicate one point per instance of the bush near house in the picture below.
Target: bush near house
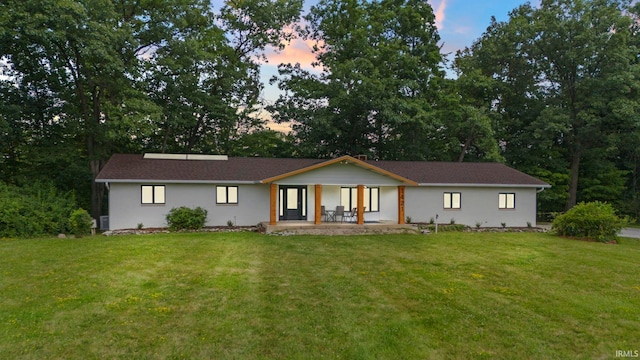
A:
(184, 218)
(33, 210)
(80, 222)
(594, 220)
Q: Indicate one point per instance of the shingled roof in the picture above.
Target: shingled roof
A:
(127, 167)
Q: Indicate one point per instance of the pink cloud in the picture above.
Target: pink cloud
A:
(439, 13)
(298, 51)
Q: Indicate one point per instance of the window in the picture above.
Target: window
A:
(452, 200)
(506, 201)
(226, 195)
(152, 194)
(349, 198)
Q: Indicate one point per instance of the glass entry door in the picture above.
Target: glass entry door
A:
(293, 203)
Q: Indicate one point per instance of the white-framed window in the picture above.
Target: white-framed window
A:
(152, 194)
(349, 198)
(506, 201)
(452, 200)
(226, 194)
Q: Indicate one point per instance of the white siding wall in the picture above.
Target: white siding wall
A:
(479, 205)
(421, 203)
(126, 210)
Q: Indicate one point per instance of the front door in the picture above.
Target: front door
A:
(293, 203)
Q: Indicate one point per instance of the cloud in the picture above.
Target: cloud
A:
(439, 12)
(298, 51)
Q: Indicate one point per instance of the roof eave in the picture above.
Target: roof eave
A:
(348, 159)
(159, 181)
(537, 186)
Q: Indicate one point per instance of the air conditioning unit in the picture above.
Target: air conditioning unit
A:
(104, 222)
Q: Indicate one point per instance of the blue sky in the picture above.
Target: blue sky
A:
(459, 23)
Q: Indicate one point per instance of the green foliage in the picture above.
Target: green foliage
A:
(381, 72)
(80, 222)
(33, 210)
(184, 218)
(564, 96)
(594, 220)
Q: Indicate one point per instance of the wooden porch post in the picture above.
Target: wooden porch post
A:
(273, 208)
(360, 204)
(401, 204)
(318, 205)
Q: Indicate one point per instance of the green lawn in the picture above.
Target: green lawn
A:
(246, 295)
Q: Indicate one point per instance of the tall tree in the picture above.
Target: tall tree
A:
(117, 75)
(378, 65)
(206, 78)
(569, 62)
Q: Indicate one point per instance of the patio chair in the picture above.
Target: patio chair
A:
(352, 215)
(339, 212)
(323, 214)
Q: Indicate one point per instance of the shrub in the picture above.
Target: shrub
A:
(184, 218)
(80, 222)
(594, 220)
(34, 210)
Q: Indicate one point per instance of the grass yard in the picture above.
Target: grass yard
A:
(252, 296)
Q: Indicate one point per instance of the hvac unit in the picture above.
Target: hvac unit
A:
(104, 222)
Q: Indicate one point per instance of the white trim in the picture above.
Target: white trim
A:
(222, 182)
(483, 185)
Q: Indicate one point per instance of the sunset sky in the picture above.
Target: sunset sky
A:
(459, 23)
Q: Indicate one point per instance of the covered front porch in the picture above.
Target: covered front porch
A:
(320, 204)
(369, 193)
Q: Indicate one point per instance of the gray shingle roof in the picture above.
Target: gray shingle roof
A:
(127, 167)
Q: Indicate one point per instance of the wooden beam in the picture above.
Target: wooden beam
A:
(401, 216)
(360, 204)
(273, 204)
(318, 205)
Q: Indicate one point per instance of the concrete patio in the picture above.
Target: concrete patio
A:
(336, 228)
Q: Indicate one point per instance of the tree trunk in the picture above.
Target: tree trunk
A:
(97, 190)
(463, 151)
(573, 182)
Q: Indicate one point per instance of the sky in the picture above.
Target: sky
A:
(459, 23)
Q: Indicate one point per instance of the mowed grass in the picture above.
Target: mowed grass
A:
(252, 296)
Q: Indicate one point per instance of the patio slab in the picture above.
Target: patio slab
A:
(309, 228)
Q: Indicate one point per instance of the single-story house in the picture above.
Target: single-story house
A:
(247, 191)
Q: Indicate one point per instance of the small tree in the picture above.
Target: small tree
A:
(184, 218)
(80, 222)
(594, 220)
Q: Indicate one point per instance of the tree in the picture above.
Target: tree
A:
(86, 78)
(566, 74)
(379, 70)
(206, 78)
